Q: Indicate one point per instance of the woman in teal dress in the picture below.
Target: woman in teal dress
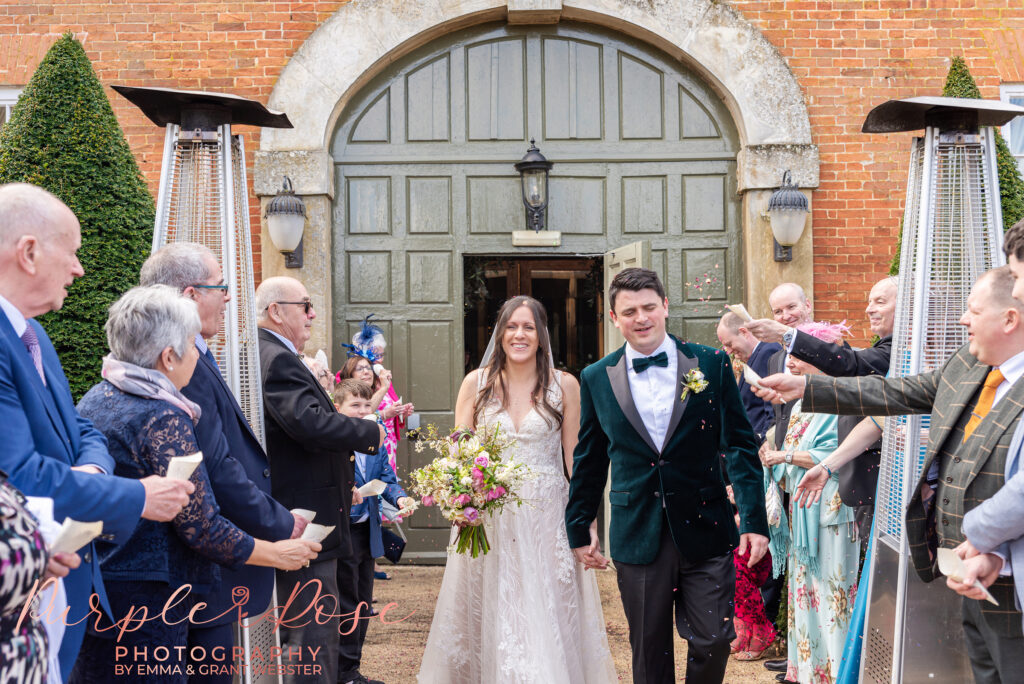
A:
(817, 543)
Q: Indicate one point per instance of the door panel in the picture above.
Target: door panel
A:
(424, 184)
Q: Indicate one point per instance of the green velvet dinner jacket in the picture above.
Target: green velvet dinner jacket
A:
(681, 483)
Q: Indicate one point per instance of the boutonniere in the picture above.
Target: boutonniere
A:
(694, 382)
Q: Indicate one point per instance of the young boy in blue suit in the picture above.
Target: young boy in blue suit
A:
(355, 572)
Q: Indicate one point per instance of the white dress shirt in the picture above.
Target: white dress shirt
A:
(18, 321)
(1012, 370)
(284, 340)
(654, 390)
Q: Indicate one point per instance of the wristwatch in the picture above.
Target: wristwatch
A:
(789, 456)
(787, 338)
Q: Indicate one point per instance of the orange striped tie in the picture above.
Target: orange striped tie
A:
(985, 399)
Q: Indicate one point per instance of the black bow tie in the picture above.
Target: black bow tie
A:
(644, 362)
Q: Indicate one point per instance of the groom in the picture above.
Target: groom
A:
(646, 410)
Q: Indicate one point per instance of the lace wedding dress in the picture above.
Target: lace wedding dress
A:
(526, 611)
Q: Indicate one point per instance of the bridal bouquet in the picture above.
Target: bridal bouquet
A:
(468, 478)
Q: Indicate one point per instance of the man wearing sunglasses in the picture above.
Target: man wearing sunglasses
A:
(238, 467)
(311, 448)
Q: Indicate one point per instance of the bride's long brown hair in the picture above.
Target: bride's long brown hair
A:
(494, 372)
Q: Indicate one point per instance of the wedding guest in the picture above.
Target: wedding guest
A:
(818, 543)
(311, 447)
(739, 343)
(25, 655)
(235, 462)
(857, 481)
(370, 344)
(356, 572)
(49, 450)
(790, 307)
(755, 631)
(139, 408)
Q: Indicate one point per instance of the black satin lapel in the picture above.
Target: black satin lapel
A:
(617, 376)
(684, 364)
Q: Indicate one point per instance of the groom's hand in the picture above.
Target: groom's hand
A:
(758, 547)
(590, 558)
(780, 388)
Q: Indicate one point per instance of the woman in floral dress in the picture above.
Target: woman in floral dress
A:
(817, 543)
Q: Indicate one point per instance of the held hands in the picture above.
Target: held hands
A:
(292, 554)
(808, 492)
(61, 564)
(980, 566)
(590, 556)
(780, 388)
(758, 547)
(300, 526)
(766, 329)
(165, 497)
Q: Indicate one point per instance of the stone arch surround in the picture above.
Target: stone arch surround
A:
(364, 36)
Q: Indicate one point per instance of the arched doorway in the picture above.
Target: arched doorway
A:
(425, 191)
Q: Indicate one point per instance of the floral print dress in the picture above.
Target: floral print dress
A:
(23, 558)
(823, 583)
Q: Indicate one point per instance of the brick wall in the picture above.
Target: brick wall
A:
(847, 56)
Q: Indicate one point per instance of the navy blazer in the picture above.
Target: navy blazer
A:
(44, 436)
(240, 476)
(759, 411)
(377, 468)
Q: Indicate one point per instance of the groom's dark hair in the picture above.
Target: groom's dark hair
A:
(634, 280)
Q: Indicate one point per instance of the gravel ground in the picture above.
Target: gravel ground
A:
(392, 652)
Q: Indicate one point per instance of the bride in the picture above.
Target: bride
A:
(526, 611)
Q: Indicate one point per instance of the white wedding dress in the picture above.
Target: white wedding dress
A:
(526, 611)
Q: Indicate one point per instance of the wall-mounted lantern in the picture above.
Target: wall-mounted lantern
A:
(286, 217)
(533, 171)
(787, 213)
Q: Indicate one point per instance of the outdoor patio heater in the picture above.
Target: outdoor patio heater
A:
(952, 233)
(203, 198)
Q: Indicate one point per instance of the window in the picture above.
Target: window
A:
(1014, 131)
(8, 96)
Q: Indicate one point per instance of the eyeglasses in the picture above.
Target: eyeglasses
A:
(223, 288)
(305, 304)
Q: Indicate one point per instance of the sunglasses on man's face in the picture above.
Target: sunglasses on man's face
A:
(305, 304)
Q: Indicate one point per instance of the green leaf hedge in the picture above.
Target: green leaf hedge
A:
(63, 136)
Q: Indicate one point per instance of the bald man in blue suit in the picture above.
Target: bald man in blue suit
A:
(49, 450)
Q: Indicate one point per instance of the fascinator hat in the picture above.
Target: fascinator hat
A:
(368, 338)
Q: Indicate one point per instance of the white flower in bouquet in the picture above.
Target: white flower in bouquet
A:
(468, 481)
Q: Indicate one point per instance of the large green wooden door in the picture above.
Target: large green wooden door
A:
(643, 150)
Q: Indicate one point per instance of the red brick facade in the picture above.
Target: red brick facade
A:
(847, 56)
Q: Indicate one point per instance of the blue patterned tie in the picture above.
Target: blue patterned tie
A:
(644, 362)
(31, 342)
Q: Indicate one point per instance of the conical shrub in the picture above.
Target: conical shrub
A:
(63, 136)
(960, 83)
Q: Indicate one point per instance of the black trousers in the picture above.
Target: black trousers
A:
(214, 645)
(995, 659)
(318, 632)
(701, 596)
(355, 586)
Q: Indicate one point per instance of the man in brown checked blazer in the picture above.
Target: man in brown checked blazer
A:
(975, 401)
